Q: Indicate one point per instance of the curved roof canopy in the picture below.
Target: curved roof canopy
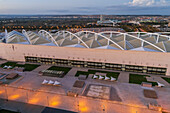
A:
(137, 41)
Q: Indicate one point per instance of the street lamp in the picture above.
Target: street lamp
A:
(6, 92)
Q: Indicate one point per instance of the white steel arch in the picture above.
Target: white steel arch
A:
(159, 33)
(138, 38)
(147, 42)
(47, 33)
(58, 33)
(26, 35)
(77, 38)
(103, 37)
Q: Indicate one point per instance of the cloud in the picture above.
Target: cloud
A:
(149, 3)
(151, 10)
(135, 7)
(163, 2)
(142, 2)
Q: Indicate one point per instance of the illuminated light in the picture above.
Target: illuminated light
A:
(55, 103)
(134, 110)
(33, 101)
(1, 92)
(13, 97)
(83, 107)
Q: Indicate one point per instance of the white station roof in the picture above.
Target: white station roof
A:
(137, 41)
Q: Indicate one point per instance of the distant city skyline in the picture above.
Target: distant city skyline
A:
(85, 7)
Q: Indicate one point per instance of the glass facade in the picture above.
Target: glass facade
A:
(98, 65)
(132, 68)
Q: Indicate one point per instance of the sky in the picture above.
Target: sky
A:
(83, 7)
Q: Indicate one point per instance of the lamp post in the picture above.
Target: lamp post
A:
(77, 104)
(48, 101)
(6, 92)
(103, 109)
(27, 96)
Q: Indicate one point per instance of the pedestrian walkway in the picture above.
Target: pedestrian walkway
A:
(123, 77)
(2, 61)
(42, 67)
(160, 80)
(73, 71)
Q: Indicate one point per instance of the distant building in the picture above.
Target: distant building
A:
(134, 22)
(101, 18)
(157, 26)
(105, 22)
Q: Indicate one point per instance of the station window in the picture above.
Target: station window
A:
(110, 66)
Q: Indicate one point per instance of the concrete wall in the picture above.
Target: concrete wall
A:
(2, 51)
(16, 52)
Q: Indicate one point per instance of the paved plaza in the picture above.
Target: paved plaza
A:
(124, 97)
(123, 77)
